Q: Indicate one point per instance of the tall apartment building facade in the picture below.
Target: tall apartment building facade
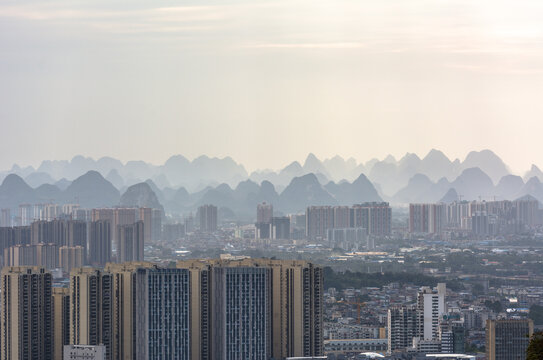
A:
(100, 242)
(60, 233)
(427, 218)
(295, 308)
(25, 214)
(241, 316)
(508, 339)
(264, 213)
(150, 312)
(431, 305)
(26, 322)
(318, 220)
(70, 257)
(481, 218)
(375, 217)
(130, 242)
(61, 320)
(201, 309)
(91, 308)
(402, 327)
(45, 255)
(263, 225)
(207, 214)
(280, 227)
(5, 218)
(419, 322)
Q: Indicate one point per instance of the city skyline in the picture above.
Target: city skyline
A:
(360, 79)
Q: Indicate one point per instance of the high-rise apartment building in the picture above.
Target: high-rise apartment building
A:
(263, 225)
(152, 221)
(37, 211)
(374, 217)
(280, 227)
(241, 316)
(107, 214)
(264, 213)
(50, 212)
(77, 236)
(151, 312)
(130, 242)
(508, 339)
(45, 255)
(202, 309)
(25, 214)
(402, 327)
(156, 224)
(91, 308)
(452, 334)
(48, 232)
(318, 220)
(70, 257)
(11, 236)
(145, 215)
(124, 216)
(59, 232)
(116, 217)
(432, 306)
(349, 239)
(291, 320)
(5, 217)
(26, 322)
(100, 242)
(420, 322)
(343, 217)
(61, 320)
(207, 214)
(427, 218)
(189, 223)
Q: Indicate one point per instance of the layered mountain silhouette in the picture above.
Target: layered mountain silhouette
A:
(91, 191)
(140, 195)
(180, 184)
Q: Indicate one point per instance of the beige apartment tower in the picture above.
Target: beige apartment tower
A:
(61, 321)
(294, 288)
(150, 312)
(26, 314)
(126, 309)
(508, 339)
(91, 316)
(130, 242)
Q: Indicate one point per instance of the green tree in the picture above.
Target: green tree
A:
(535, 348)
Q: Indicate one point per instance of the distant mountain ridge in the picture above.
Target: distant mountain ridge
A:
(179, 184)
(389, 173)
(92, 190)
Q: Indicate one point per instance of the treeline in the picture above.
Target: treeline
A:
(357, 280)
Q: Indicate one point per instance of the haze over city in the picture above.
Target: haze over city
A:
(267, 82)
(271, 180)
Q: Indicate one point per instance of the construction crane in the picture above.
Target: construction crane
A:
(358, 307)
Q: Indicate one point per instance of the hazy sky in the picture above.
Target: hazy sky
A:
(267, 82)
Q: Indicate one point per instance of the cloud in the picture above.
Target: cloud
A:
(327, 45)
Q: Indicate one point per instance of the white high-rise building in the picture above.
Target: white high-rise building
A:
(431, 305)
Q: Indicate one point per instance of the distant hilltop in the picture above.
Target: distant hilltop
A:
(180, 185)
